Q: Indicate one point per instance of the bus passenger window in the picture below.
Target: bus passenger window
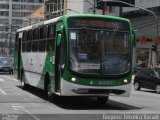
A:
(42, 45)
(29, 41)
(51, 31)
(24, 41)
(42, 41)
(43, 32)
(35, 40)
(50, 38)
(50, 45)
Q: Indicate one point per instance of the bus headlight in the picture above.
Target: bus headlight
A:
(73, 79)
(125, 80)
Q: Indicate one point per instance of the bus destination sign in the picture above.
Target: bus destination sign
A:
(98, 23)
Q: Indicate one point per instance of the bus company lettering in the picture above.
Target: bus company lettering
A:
(106, 83)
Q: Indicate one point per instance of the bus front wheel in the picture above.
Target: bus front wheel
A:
(102, 100)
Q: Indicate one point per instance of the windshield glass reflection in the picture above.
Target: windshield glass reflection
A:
(99, 51)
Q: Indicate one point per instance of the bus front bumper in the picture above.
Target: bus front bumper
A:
(70, 89)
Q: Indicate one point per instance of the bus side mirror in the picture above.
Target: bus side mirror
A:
(134, 38)
(59, 39)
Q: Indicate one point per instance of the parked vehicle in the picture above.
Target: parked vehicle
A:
(6, 65)
(148, 78)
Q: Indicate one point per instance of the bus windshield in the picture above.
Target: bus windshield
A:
(100, 51)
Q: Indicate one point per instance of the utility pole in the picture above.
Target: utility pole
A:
(10, 42)
(2, 38)
(94, 9)
(93, 4)
(120, 11)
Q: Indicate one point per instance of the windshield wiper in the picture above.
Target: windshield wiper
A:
(85, 29)
(114, 33)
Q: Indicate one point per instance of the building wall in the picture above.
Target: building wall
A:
(75, 7)
(144, 4)
(54, 8)
(145, 24)
(12, 13)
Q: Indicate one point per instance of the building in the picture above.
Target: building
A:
(35, 17)
(56, 8)
(12, 14)
(146, 27)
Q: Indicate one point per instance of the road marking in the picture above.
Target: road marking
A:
(4, 93)
(35, 117)
(18, 107)
(1, 80)
(11, 78)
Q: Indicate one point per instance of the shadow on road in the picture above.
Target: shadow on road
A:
(34, 91)
(90, 103)
(148, 91)
(4, 73)
(81, 103)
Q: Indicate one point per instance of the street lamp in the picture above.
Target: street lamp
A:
(151, 12)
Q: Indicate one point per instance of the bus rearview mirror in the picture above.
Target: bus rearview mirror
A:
(134, 38)
(59, 39)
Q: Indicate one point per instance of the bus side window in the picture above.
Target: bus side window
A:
(42, 41)
(29, 40)
(24, 41)
(50, 37)
(35, 40)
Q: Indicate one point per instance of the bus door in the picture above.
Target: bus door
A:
(60, 59)
(19, 54)
(57, 63)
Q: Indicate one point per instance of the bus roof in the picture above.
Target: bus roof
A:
(97, 15)
(67, 16)
(38, 24)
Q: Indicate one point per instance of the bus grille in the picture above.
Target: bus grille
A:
(98, 91)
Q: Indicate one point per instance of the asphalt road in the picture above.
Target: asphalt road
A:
(32, 105)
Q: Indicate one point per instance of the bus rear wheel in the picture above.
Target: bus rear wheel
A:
(49, 93)
(102, 100)
(23, 84)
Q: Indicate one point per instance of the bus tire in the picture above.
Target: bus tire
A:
(102, 100)
(49, 93)
(23, 84)
(51, 97)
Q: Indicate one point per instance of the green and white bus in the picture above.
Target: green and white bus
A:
(76, 55)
